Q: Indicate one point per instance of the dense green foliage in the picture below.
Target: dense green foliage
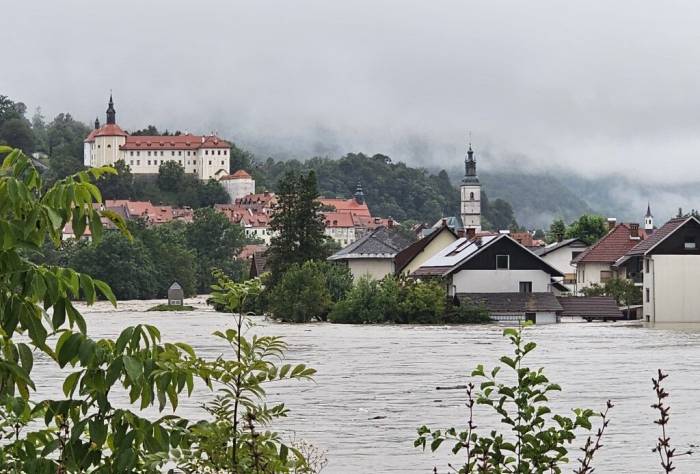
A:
(533, 440)
(297, 224)
(589, 228)
(623, 290)
(308, 291)
(171, 307)
(391, 300)
(145, 265)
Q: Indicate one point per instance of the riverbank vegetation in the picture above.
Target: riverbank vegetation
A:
(172, 307)
(81, 430)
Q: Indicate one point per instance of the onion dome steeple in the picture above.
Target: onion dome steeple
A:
(111, 113)
(470, 167)
(359, 194)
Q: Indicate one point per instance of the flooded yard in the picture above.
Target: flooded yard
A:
(376, 384)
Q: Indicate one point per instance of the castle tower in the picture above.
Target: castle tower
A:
(649, 220)
(111, 113)
(107, 140)
(470, 191)
(359, 194)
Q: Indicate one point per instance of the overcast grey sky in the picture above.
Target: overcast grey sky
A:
(599, 86)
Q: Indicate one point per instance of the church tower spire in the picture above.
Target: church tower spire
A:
(649, 220)
(111, 113)
(470, 192)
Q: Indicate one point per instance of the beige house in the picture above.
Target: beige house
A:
(412, 257)
(373, 255)
(667, 266)
(205, 156)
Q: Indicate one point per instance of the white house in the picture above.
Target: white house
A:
(561, 255)
(373, 255)
(668, 266)
(507, 278)
(206, 156)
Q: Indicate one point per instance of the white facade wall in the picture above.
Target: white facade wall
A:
(561, 260)
(588, 274)
(106, 151)
(376, 268)
(264, 234)
(499, 281)
(672, 282)
(471, 206)
(344, 236)
(238, 188)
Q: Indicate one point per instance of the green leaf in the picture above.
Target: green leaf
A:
(106, 291)
(134, 367)
(70, 383)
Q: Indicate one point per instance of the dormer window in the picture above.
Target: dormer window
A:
(689, 243)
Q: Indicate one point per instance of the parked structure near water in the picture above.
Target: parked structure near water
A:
(176, 295)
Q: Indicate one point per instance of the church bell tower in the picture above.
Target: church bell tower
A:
(470, 191)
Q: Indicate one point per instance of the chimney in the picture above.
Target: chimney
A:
(390, 222)
(634, 231)
(560, 236)
(444, 222)
(471, 233)
(612, 222)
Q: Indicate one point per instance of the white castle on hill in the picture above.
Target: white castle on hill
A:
(206, 156)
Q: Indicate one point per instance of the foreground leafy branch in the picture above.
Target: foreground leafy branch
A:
(533, 440)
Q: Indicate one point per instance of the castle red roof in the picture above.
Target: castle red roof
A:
(108, 130)
(612, 246)
(339, 219)
(240, 174)
(176, 142)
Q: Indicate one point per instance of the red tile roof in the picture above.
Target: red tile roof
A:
(108, 130)
(347, 205)
(339, 219)
(240, 174)
(612, 246)
(170, 142)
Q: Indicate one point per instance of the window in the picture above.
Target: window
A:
(646, 291)
(172, 153)
(209, 162)
(138, 153)
(138, 162)
(161, 153)
(131, 162)
(605, 275)
(194, 162)
(149, 153)
(689, 243)
(98, 146)
(646, 265)
(525, 287)
(188, 162)
(179, 153)
(502, 262)
(179, 161)
(471, 196)
(109, 145)
(188, 153)
(218, 152)
(131, 153)
(225, 151)
(149, 162)
(206, 152)
(222, 162)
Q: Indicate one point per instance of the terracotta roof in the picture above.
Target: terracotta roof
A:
(590, 306)
(152, 214)
(240, 174)
(248, 217)
(611, 247)
(249, 250)
(108, 130)
(172, 142)
(347, 205)
(339, 219)
(405, 256)
(660, 234)
(513, 302)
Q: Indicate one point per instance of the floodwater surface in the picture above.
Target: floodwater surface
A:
(376, 384)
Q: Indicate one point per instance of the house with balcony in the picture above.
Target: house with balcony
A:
(667, 267)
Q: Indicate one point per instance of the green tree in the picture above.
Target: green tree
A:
(624, 291)
(301, 295)
(65, 146)
(589, 228)
(214, 241)
(119, 185)
(241, 159)
(211, 192)
(125, 264)
(171, 175)
(41, 136)
(557, 230)
(297, 223)
(17, 132)
(499, 214)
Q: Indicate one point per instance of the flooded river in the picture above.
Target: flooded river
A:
(376, 384)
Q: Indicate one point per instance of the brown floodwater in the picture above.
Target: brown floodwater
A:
(376, 384)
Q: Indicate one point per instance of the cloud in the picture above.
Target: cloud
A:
(595, 87)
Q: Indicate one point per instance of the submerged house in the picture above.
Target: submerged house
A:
(667, 267)
(373, 255)
(497, 272)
